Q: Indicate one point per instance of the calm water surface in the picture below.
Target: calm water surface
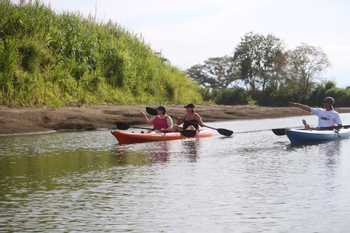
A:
(253, 182)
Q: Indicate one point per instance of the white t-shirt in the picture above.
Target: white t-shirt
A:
(326, 118)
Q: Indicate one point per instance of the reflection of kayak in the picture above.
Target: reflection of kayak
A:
(125, 137)
(300, 136)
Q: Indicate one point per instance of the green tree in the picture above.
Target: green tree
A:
(260, 61)
(306, 64)
(216, 72)
(232, 96)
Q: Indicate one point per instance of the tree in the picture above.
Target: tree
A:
(306, 63)
(260, 60)
(216, 72)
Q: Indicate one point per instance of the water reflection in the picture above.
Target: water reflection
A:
(137, 154)
(134, 158)
(161, 154)
(30, 173)
(331, 153)
(254, 182)
(190, 148)
(330, 150)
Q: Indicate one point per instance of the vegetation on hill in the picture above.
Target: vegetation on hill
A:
(262, 71)
(55, 60)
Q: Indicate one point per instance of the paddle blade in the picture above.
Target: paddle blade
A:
(151, 111)
(279, 132)
(225, 132)
(188, 133)
(122, 126)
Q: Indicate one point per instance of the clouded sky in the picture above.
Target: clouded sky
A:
(189, 31)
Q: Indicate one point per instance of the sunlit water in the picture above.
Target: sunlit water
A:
(252, 182)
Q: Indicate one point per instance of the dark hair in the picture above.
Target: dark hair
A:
(189, 106)
(161, 109)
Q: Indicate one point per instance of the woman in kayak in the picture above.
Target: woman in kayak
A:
(162, 121)
(327, 116)
(191, 120)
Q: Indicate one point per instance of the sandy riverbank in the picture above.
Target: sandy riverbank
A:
(24, 120)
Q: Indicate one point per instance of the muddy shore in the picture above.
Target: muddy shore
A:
(26, 120)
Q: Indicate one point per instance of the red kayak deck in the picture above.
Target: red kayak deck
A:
(127, 137)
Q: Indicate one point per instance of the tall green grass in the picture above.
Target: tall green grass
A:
(56, 60)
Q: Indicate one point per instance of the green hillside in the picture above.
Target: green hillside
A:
(63, 59)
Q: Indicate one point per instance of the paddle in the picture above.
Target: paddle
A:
(221, 131)
(225, 132)
(151, 111)
(185, 133)
(282, 131)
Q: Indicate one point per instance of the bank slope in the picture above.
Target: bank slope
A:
(63, 59)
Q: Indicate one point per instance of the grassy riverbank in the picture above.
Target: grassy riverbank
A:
(22, 120)
(49, 59)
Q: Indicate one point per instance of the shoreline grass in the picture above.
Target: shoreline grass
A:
(50, 59)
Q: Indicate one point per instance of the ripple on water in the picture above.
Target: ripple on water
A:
(253, 182)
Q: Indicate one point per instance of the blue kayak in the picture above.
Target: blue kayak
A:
(302, 136)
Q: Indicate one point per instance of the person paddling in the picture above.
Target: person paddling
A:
(327, 116)
(162, 121)
(192, 120)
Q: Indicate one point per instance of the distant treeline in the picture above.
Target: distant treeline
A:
(51, 59)
(262, 71)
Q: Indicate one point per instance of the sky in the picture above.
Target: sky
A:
(188, 32)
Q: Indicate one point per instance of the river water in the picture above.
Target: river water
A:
(252, 182)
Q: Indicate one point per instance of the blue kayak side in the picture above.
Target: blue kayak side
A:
(300, 136)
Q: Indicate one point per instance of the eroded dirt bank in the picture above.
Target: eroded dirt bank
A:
(24, 120)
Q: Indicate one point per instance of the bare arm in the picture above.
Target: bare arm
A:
(147, 119)
(199, 119)
(301, 106)
(170, 123)
(339, 122)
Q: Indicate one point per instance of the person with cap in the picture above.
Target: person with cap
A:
(191, 120)
(327, 116)
(162, 121)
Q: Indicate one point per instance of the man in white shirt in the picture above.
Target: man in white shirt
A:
(327, 116)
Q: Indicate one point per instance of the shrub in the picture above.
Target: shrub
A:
(232, 96)
(30, 56)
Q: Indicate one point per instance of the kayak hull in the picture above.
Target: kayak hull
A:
(125, 137)
(300, 136)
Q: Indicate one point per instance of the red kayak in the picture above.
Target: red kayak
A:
(127, 137)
